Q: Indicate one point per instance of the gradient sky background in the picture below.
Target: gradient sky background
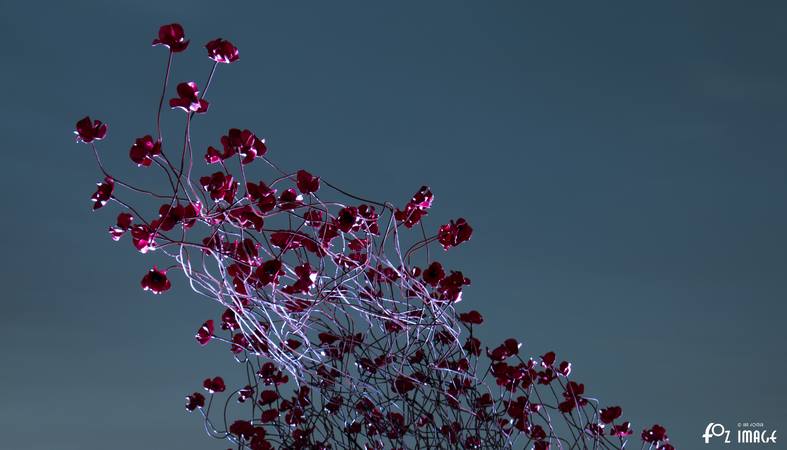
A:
(623, 167)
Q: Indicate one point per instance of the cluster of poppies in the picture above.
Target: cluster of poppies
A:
(344, 345)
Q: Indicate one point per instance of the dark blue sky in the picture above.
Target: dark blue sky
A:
(623, 167)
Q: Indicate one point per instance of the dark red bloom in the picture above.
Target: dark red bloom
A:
(264, 196)
(123, 225)
(608, 415)
(188, 99)
(403, 384)
(290, 199)
(143, 237)
(434, 273)
(155, 281)
(654, 434)
(454, 233)
(313, 218)
(416, 207)
(244, 143)
(194, 401)
(269, 272)
(267, 397)
(103, 193)
(472, 317)
(242, 428)
(205, 333)
(222, 51)
(307, 183)
(143, 150)
(172, 37)
(621, 430)
(508, 348)
(88, 131)
(214, 385)
(220, 186)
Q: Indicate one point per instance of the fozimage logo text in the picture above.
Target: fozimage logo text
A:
(746, 433)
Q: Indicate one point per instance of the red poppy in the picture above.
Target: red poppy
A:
(214, 385)
(290, 199)
(205, 333)
(220, 186)
(245, 143)
(621, 430)
(156, 281)
(88, 131)
(654, 434)
(123, 225)
(472, 317)
(454, 233)
(264, 196)
(416, 207)
(222, 51)
(143, 150)
(143, 238)
(194, 401)
(103, 193)
(434, 273)
(608, 415)
(188, 99)
(172, 37)
(307, 183)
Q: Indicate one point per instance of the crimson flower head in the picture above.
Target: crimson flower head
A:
(103, 193)
(222, 51)
(143, 150)
(214, 385)
(454, 233)
(194, 401)
(123, 224)
(88, 131)
(188, 99)
(156, 281)
(655, 434)
(205, 333)
(608, 415)
(172, 37)
(307, 183)
(472, 317)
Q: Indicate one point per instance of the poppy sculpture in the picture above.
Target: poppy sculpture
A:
(338, 312)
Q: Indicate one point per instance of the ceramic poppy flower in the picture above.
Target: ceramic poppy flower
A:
(172, 37)
(608, 415)
(123, 224)
(216, 384)
(220, 186)
(88, 131)
(307, 183)
(143, 237)
(188, 99)
(222, 51)
(472, 317)
(621, 430)
(205, 333)
(416, 208)
(103, 193)
(194, 401)
(237, 142)
(434, 273)
(654, 434)
(454, 233)
(143, 150)
(289, 199)
(156, 281)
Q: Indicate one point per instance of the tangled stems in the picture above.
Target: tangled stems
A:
(334, 307)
